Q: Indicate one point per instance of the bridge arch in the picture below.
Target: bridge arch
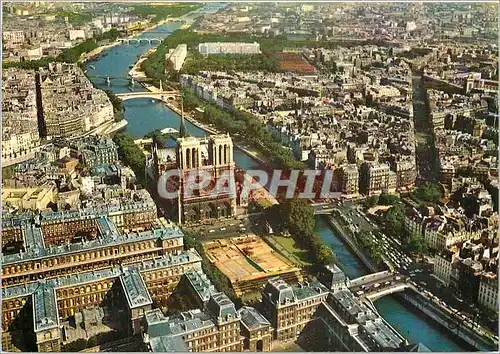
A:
(165, 96)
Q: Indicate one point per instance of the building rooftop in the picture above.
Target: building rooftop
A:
(134, 288)
(32, 238)
(309, 289)
(279, 292)
(252, 319)
(106, 227)
(159, 325)
(222, 307)
(164, 233)
(380, 334)
(201, 284)
(166, 344)
(384, 335)
(45, 312)
(169, 260)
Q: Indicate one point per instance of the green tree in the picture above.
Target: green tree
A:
(388, 199)
(131, 155)
(8, 172)
(29, 64)
(76, 345)
(371, 201)
(394, 219)
(429, 192)
(118, 108)
(299, 219)
(417, 244)
(323, 254)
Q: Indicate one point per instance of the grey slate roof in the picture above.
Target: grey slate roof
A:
(334, 275)
(278, 292)
(221, 307)
(167, 332)
(373, 329)
(45, 312)
(201, 285)
(165, 344)
(134, 287)
(33, 239)
(252, 319)
(309, 289)
(106, 227)
(111, 239)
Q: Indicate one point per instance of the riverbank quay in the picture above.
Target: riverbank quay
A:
(136, 73)
(95, 52)
(351, 242)
(447, 320)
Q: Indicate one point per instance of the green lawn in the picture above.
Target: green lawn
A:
(286, 246)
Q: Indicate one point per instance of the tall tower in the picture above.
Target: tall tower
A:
(182, 127)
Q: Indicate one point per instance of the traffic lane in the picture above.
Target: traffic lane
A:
(222, 229)
(379, 281)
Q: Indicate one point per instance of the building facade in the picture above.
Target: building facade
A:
(443, 266)
(212, 156)
(348, 179)
(488, 291)
(375, 178)
(229, 48)
(176, 58)
(290, 307)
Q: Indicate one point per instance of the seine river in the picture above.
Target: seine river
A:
(145, 115)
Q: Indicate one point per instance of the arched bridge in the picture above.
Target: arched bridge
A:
(376, 285)
(384, 290)
(164, 96)
(139, 40)
(325, 208)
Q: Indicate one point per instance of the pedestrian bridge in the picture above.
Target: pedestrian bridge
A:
(137, 40)
(165, 96)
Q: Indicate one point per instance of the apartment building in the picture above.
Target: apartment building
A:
(290, 307)
(375, 178)
(229, 48)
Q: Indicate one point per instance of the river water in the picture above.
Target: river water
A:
(145, 115)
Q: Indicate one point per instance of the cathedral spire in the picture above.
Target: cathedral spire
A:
(182, 127)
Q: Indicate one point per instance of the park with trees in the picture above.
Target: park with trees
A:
(131, 155)
(296, 217)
